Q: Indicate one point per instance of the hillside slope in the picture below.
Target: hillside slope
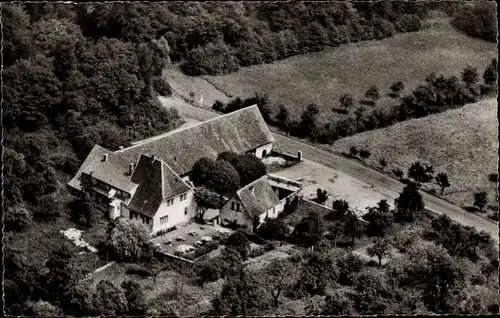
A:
(461, 142)
(322, 77)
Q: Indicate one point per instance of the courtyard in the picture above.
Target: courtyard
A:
(357, 193)
(190, 233)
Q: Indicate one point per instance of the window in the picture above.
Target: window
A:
(232, 206)
(183, 196)
(170, 202)
(164, 219)
(185, 211)
(237, 207)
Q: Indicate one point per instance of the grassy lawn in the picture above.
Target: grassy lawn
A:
(322, 77)
(461, 142)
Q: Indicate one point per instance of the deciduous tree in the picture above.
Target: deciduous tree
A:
(109, 300)
(381, 248)
(470, 75)
(278, 277)
(127, 238)
(442, 180)
(273, 229)
(421, 173)
(309, 231)
(206, 199)
(372, 94)
(346, 101)
(134, 295)
(397, 88)
(409, 203)
(321, 196)
(239, 241)
(480, 200)
(219, 176)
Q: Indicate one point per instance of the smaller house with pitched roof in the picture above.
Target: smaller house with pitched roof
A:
(263, 198)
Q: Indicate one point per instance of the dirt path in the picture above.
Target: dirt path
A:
(384, 184)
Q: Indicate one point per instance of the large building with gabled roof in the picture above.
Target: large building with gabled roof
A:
(241, 131)
(150, 180)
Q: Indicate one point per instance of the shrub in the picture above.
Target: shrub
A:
(353, 151)
(211, 59)
(364, 154)
(258, 251)
(382, 162)
(135, 269)
(269, 246)
(218, 106)
(208, 271)
(408, 23)
(273, 229)
(493, 177)
(162, 87)
(398, 172)
(207, 248)
(255, 238)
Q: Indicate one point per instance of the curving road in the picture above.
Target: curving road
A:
(389, 186)
(384, 183)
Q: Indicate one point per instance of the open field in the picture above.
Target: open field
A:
(322, 77)
(461, 142)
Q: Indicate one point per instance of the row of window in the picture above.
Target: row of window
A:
(106, 186)
(138, 216)
(164, 219)
(171, 201)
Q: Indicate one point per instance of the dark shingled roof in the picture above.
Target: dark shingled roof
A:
(240, 131)
(157, 182)
(115, 171)
(261, 199)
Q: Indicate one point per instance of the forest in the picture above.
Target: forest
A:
(76, 75)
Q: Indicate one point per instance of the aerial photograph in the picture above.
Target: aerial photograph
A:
(249, 158)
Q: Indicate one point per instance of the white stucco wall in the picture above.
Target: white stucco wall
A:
(233, 216)
(175, 212)
(267, 147)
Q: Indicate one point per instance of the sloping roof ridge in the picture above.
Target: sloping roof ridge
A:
(191, 127)
(175, 174)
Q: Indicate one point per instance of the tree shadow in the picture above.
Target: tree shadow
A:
(392, 95)
(340, 111)
(367, 102)
(470, 209)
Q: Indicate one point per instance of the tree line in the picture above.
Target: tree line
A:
(435, 95)
(478, 20)
(215, 38)
(63, 93)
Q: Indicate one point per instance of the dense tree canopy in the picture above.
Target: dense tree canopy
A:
(249, 167)
(216, 175)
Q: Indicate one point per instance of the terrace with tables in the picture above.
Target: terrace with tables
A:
(188, 237)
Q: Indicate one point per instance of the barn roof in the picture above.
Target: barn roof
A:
(258, 197)
(239, 131)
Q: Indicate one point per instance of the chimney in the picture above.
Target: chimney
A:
(121, 147)
(105, 157)
(131, 168)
